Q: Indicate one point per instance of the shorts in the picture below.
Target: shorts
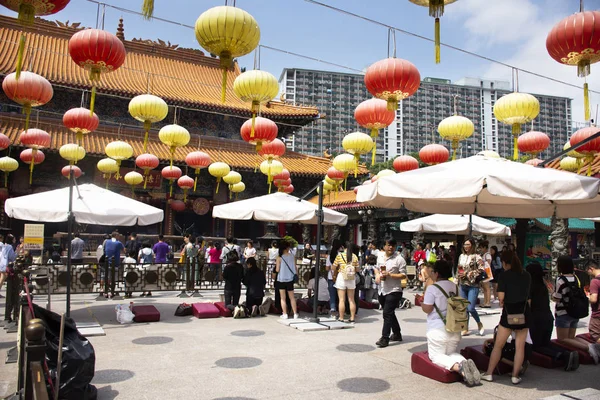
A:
(343, 284)
(594, 326)
(287, 286)
(566, 321)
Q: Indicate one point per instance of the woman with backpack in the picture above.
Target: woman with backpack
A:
(441, 344)
(571, 305)
(514, 286)
(345, 267)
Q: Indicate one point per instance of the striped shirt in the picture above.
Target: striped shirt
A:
(561, 290)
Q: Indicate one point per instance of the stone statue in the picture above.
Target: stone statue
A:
(418, 237)
(371, 229)
(306, 233)
(560, 239)
(335, 232)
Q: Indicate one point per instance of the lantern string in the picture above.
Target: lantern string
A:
(103, 14)
(580, 5)
(391, 40)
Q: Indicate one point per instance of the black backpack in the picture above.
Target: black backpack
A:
(578, 304)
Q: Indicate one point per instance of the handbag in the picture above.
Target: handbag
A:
(288, 266)
(517, 319)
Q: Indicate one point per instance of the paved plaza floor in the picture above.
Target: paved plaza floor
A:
(258, 358)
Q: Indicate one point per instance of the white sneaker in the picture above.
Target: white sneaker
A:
(296, 316)
(284, 316)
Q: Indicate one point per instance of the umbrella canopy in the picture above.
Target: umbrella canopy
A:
(487, 186)
(278, 207)
(91, 205)
(455, 224)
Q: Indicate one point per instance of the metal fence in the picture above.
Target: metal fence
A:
(171, 276)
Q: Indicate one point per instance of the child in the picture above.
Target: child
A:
(323, 298)
(370, 291)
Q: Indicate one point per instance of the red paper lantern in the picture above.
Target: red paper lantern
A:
(32, 157)
(282, 184)
(575, 40)
(336, 174)
(29, 90)
(171, 173)
(185, 183)
(197, 160)
(4, 141)
(265, 131)
(433, 154)
(76, 171)
(590, 149)
(373, 114)
(97, 51)
(35, 138)
(177, 205)
(392, 80)
(272, 150)
(533, 142)
(289, 189)
(405, 163)
(146, 162)
(80, 121)
(284, 175)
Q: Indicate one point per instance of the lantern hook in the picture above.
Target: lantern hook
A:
(392, 41)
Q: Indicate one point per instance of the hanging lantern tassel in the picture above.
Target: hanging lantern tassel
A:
(26, 13)
(31, 165)
(437, 40)
(590, 161)
(6, 179)
(372, 160)
(586, 101)
(146, 172)
(20, 55)
(516, 130)
(117, 174)
(94, 77)
(578, 166)
(107, 179)
(454, 149)
(171, 188)
(27, 111)
(79, 136)
(132, 191)
(172, 155)
(218, 181)
(225, 63)
(255, 108)
(196, 171)
(148, 9)
(147, 125)
(374, 136)
(185, 195)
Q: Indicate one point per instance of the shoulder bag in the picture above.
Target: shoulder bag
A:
(290, 269)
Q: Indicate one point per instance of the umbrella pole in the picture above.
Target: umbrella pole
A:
(69, 238)
(470, 224)
(315, 317)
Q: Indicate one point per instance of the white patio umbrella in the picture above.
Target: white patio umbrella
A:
(489, 187)
(455, 224)
(278, 207)
(91, 205)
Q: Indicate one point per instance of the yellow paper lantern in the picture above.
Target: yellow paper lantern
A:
(455, 129)
(228, 32)
(574, 154)
(516, 109)
(174, 136)
(8, 165)
(119, 151)
(345, 163)
(232, 178)
(385, 172)
(219, 170)
(148, 109)
(72, 153)
(256, 87)
(133, 178)
(107, 166)
(357, 143)
(327, 187)
(270, 168)
(570, 164)
(237, 188)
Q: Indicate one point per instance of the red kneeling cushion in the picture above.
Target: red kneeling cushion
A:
(476, 354)
(205, 310)
(586, 337)
(584, 356)
(544, 361)
(366, 304)
(223, 311)
(147, 313)
(422, 365)
(304, 305)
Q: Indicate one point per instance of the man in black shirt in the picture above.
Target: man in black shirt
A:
(133, 245)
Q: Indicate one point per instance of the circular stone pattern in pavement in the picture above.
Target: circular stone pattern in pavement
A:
(355, 348)
(152, 340)
(363, 385)
(106, 376)
(247, 333)
(238, 362)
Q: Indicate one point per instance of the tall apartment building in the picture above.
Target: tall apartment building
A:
(419, 115)
(335, 95)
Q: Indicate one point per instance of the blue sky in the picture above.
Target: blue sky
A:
(509, 30)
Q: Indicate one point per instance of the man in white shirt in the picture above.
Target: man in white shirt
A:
(391, 269)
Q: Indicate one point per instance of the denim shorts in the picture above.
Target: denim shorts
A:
(565, 321)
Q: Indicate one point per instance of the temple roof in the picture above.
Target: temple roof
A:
(184, 77)
(237, 153)
(584, 166)
(345, 200)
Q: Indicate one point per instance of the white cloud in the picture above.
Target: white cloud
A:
(524, 31)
